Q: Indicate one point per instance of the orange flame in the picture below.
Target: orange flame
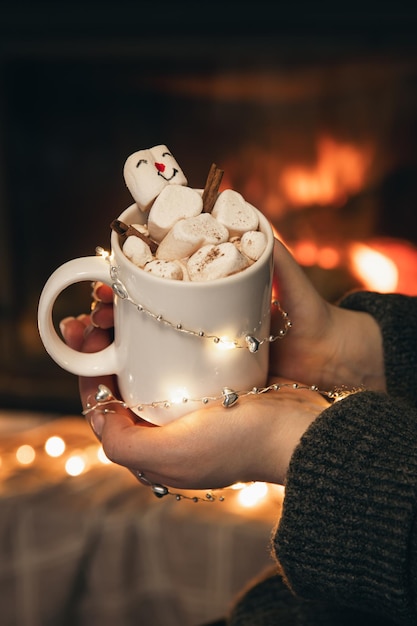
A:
(376, 270)
(385, 265)
(340, 171)
(308, 253)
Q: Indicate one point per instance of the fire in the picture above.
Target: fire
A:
(308, 253)
(385, 265)
(381, 264)
(376, 270)
(340, 171)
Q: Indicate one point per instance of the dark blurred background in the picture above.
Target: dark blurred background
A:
(310, 110)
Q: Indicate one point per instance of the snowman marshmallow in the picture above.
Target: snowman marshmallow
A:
(147, 172)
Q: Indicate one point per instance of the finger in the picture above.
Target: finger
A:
(292, 285)
(84, 318)
(88, 387)
(155, 451)
(95, 339)
(72, 330)
(192, 452)
(102, 416)
(102, 315)
(102, 293)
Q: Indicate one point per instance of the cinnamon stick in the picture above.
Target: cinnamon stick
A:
(127, 230)
(211, 188)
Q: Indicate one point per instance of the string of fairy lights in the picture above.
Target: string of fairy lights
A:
(64, 449)
(59, 448)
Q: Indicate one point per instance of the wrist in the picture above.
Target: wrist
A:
(359, 359)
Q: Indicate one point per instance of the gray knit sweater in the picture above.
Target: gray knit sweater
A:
(346, 543)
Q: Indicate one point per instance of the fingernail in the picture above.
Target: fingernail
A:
(88, 329)
(96, 287)
(93, 323)
(84, 318)
(63, 324)
(97, 423)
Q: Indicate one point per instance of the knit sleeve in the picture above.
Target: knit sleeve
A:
(348, 532)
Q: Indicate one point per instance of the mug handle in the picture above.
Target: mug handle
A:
(103, 362)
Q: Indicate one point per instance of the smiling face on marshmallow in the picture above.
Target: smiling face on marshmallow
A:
(147, 172)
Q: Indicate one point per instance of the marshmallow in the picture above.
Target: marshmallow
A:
(211, 262)
(147, 172)
(137, 251)
(189, 234)
(193, 245)
(165, 269)
(175, 202)
(232, 210)
(183, 265)
(252, 244)
(142, 228)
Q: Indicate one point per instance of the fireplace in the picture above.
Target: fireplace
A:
(312, 119)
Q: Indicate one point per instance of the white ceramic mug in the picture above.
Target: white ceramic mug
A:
(175, 341)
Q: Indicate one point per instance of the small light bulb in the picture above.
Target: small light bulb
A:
(101, 456)
(102, 252)
(237, 486)
(55, 446)
(75, 465)
(226, 344)
(179, 396)
(252, 494)
(25, 454)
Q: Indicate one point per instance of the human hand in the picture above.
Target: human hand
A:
(327, 345)
(91, 333)
(253, 440)
(210, 448)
